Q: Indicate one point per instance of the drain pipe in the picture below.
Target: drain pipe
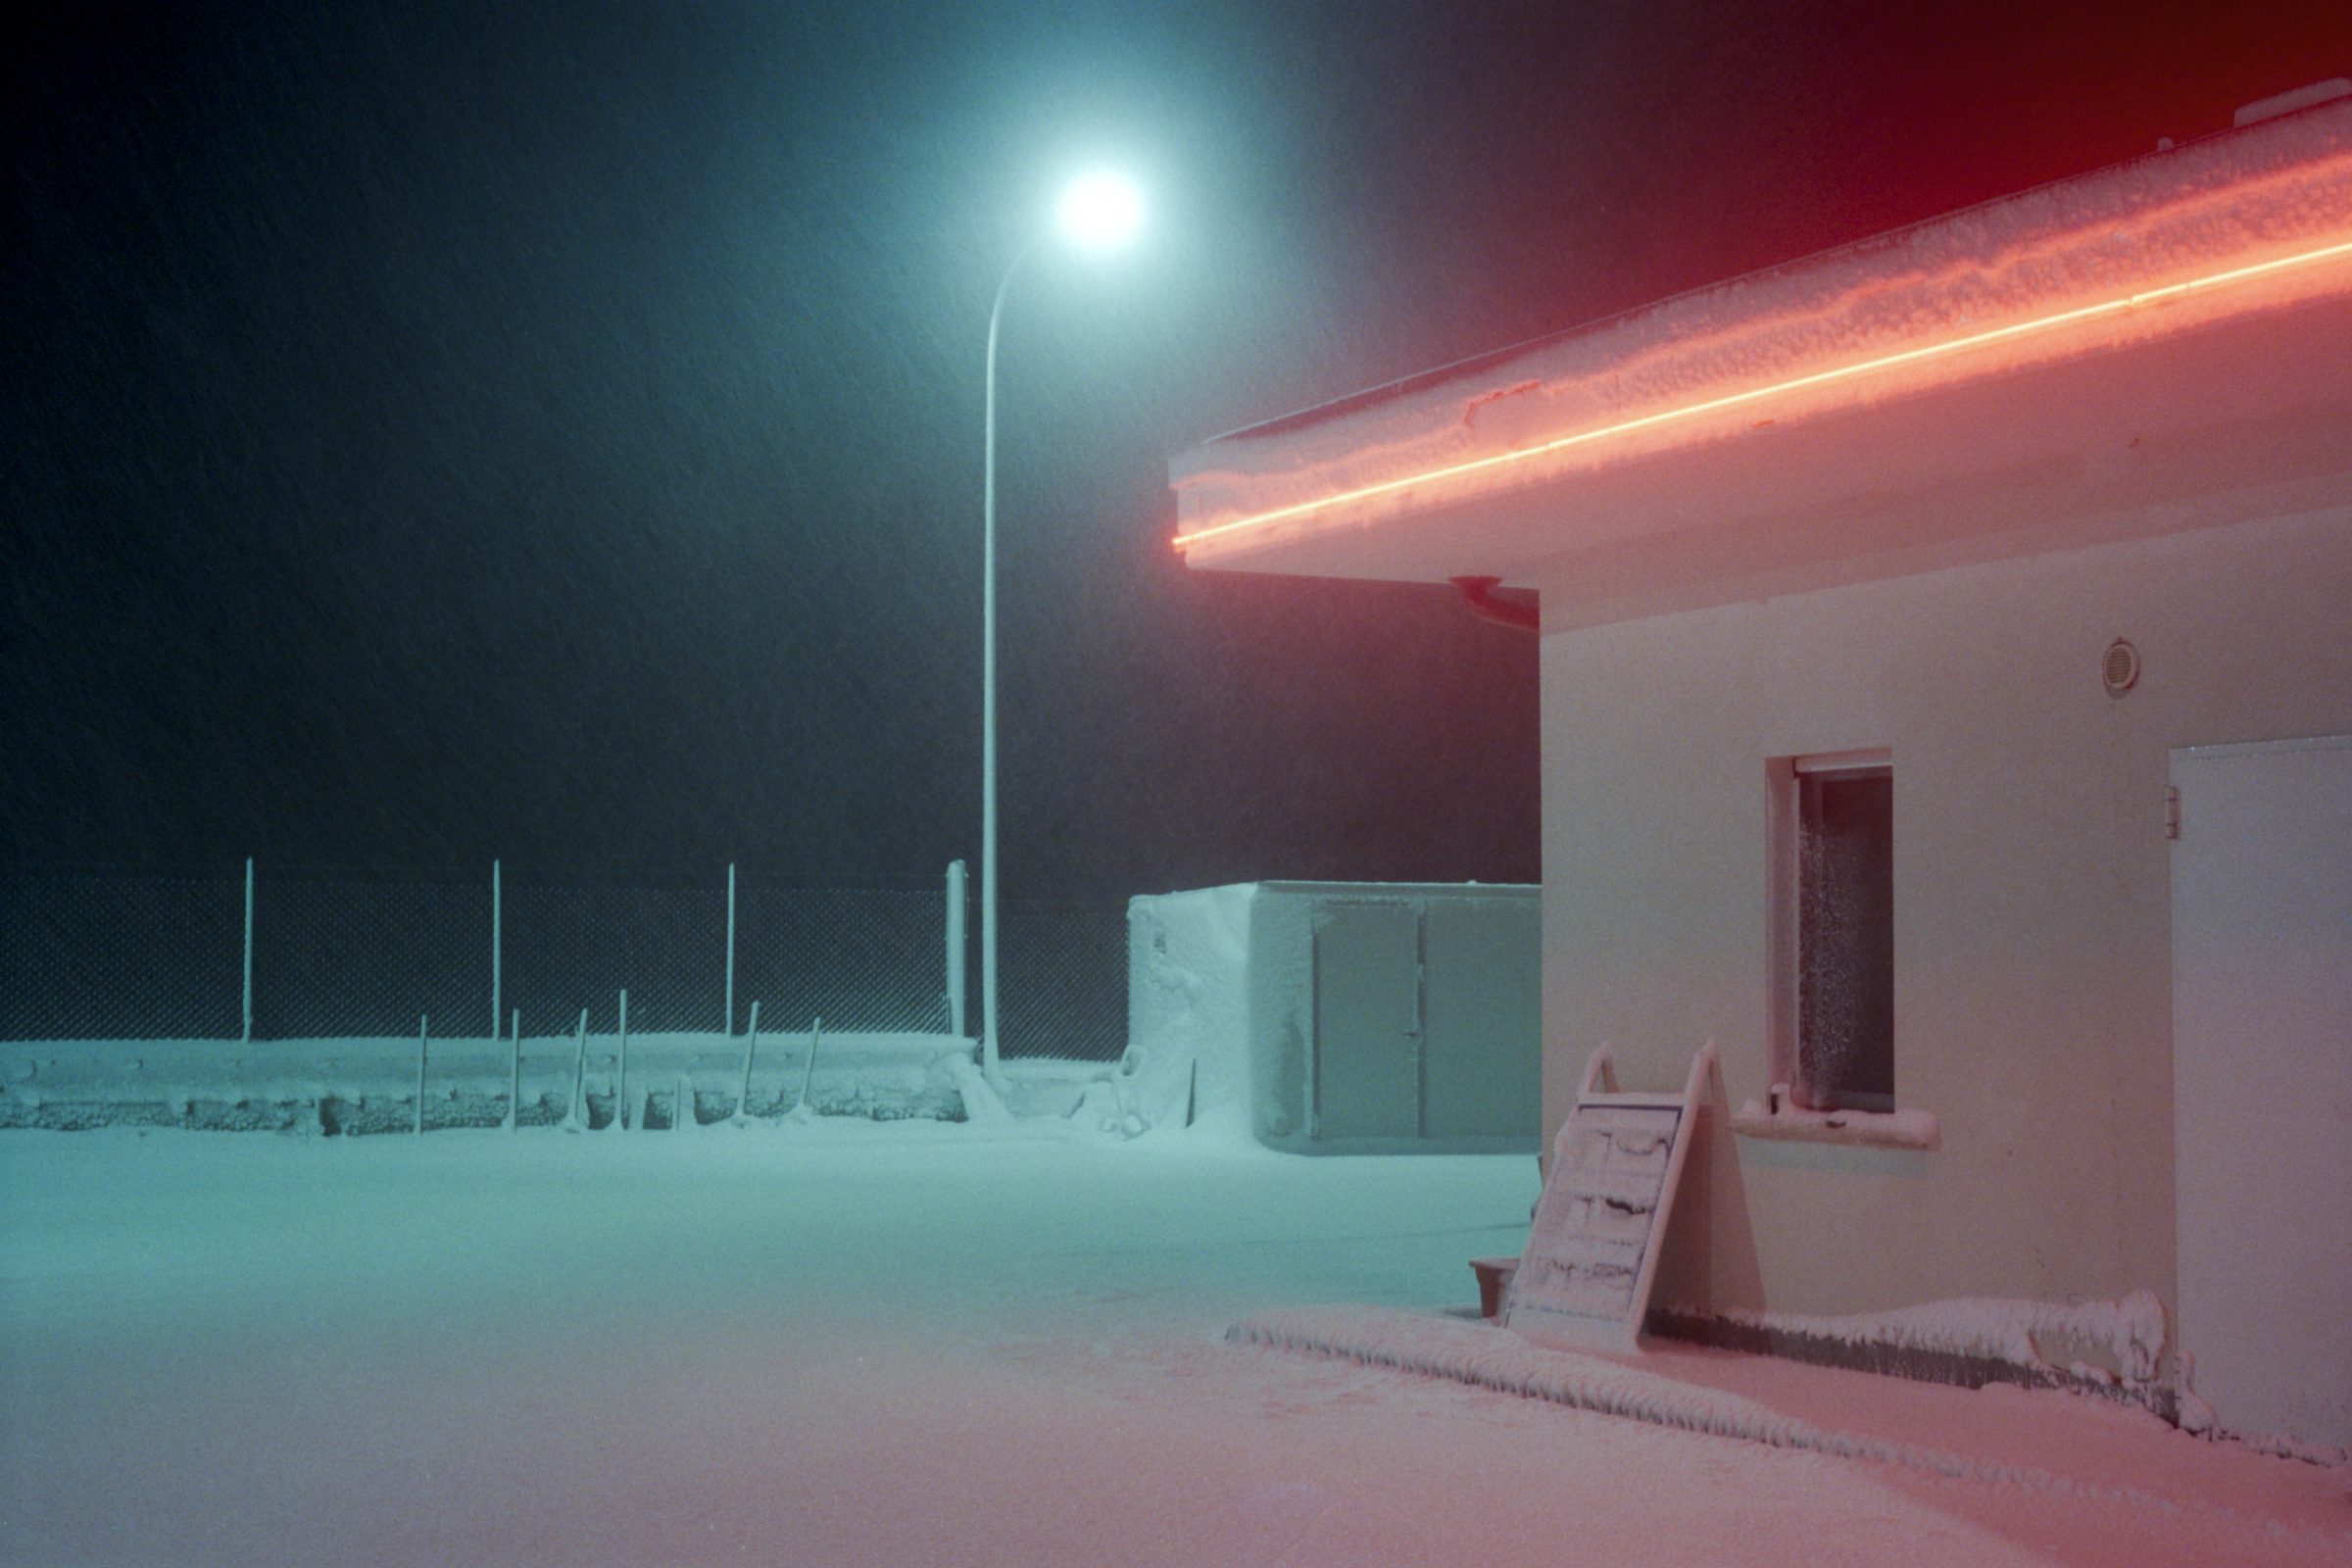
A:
(1478, 595)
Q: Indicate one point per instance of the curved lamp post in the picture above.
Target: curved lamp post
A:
(1098, 212)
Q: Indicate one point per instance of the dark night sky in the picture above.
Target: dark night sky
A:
(553, 432)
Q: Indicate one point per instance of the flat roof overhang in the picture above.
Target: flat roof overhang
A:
(2160, 346)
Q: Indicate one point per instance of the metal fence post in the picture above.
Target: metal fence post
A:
(816, 1035)
(751, 1043)
(575, 1120)
(496, 971)
(247, 1037)
(353, 958)
(621, 1085)
(956, 904)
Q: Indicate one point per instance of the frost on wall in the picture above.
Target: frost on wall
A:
(346, 1087)
(2122, 1338)
(1187, 1026)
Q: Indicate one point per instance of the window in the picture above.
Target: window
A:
(1835, 949)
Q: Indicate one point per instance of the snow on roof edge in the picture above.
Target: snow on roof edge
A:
(1948, 254)
(1438, 374)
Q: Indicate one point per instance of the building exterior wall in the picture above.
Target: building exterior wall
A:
(2032, 920)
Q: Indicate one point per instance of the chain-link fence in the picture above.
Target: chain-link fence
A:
(1062, 977)
(303, 954)
(89, 954)
(569, 946)
(335, 957)
(859, 959)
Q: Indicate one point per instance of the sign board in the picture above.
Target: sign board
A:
(1584, 1280)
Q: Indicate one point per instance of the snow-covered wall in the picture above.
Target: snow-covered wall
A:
(2032, 917)
(1189, 1027)
(369, 1085)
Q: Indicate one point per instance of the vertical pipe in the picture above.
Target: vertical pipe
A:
(422, 1022)
(515, 1077)
(496, 974)
(1421, 1018)
(246, 1038)
(1314, 1025)
(729, 1030)
(620, 1090)
(955, 944)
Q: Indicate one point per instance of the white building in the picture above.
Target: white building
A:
(1942, 640)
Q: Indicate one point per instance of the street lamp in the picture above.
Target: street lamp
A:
(1098, 212)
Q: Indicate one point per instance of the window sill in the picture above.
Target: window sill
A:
(1870, 1129)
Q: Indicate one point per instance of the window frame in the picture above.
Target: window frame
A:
(1785, 845)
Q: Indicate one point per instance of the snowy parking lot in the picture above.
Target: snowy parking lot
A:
(914, 1343)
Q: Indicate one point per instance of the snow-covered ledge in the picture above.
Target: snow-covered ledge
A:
(1875, 1129)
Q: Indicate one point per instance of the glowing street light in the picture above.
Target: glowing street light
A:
(1100, 212)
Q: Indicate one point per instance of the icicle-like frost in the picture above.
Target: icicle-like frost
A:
(1495, 1358)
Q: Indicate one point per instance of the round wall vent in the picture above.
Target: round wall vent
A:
(2120, 669)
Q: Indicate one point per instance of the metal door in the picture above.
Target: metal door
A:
(1483, 1049)
(1367, 1049)
(2262, 1082)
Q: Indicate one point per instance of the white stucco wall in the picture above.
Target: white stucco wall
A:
(2032, 896)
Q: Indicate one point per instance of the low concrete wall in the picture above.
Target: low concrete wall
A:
(353, 1085)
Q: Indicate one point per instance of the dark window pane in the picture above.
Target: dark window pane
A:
(1846, 939)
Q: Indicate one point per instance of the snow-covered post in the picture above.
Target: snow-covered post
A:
(621, 1087)
(246, 1038)
(515, 1077)
(751, 1043)
(681, 1114)
(423, 1024)
(729, 1030)
(575, 1119)
(816, 1032)
(495, 968)
(956, 914)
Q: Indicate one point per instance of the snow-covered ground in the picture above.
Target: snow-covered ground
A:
(919, 1343)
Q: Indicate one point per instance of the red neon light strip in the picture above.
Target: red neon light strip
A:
(1933, 351)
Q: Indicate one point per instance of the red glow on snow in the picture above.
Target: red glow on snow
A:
(2118, 306)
